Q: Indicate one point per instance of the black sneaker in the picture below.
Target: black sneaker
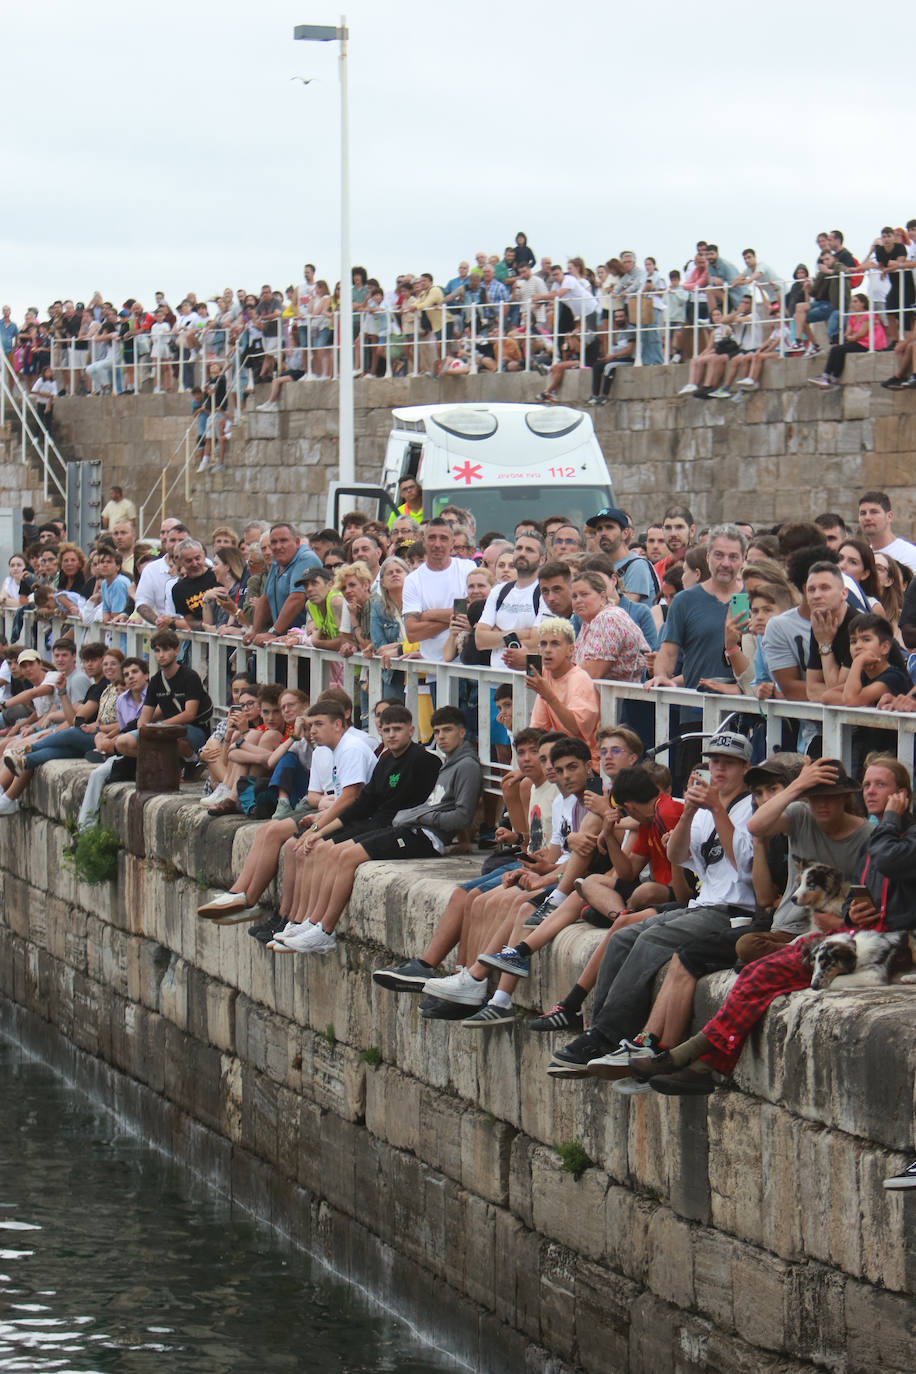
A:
(266, 930)
(437, 1009)
(558, 1018)
(407, 977)
(571, 1060)
(893, 384)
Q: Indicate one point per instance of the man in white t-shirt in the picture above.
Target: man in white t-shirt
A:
(430, 590)
(513, 607)
(875, 520)
(152, 597)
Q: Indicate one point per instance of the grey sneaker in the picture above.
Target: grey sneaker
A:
(284, 811)
(490, 1016)
(539, 914)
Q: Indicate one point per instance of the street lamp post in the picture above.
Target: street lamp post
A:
(327, 33)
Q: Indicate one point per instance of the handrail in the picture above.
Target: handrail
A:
(34, 432)
(211, 656)
(162, 489)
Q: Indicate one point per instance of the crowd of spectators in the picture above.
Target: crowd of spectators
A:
(507, 312)
(691, 865)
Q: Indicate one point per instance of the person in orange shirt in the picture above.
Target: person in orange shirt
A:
(567, 696)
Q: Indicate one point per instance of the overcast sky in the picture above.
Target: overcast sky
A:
(169, 145)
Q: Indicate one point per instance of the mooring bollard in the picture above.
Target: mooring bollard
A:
(158, 760)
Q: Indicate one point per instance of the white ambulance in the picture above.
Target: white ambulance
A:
(501, 461)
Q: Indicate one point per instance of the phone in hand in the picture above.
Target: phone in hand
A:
(859, 893)
(460, 605)
(701, 775)
(739, 605)
(526, 858)
(534, 663)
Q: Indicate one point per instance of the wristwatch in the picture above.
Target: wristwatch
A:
(826, 648)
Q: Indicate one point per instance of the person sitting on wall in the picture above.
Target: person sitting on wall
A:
(417, 832)
(403, 777)
(175, 694)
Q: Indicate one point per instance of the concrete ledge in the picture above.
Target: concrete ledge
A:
(750, 1229)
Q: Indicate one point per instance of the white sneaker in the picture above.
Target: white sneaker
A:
(223, 904)
(203, 465)
(16, 760)
(278, 943)
(268, 406)
(746, 381)
(458, 987)
(303, 938)
(812, 351)
(8, 805)
(323, 943)
(688, 390)
(720, 394)
(219, 793)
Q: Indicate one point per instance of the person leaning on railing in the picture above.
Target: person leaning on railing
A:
(220, 604)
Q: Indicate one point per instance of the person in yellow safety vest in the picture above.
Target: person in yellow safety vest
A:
(410, 493)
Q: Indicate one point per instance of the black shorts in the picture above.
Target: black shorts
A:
(353, 832)
(398, 842)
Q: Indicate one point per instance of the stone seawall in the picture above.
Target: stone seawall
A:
(788, 451)
(749, 1232)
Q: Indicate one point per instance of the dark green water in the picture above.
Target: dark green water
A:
(113, 1259)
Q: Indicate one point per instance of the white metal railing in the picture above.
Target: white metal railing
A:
(471, 336)
(216, 657)
(34, 437)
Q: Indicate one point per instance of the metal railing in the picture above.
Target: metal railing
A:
(216, 658)
(34, 437)
(469, 337)
(188, 448)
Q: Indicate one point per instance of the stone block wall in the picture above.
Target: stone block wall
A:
(747, 1232)
(787, 451)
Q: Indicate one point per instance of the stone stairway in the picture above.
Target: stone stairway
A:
(21, 480)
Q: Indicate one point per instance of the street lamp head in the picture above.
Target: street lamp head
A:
(319, 33)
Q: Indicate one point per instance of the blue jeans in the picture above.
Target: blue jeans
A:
(289, 776)
(651, 342)
(66, 744)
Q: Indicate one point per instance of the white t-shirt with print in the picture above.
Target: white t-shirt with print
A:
(720, 883)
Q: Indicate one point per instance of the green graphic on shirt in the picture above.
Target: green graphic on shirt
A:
(394, 779)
